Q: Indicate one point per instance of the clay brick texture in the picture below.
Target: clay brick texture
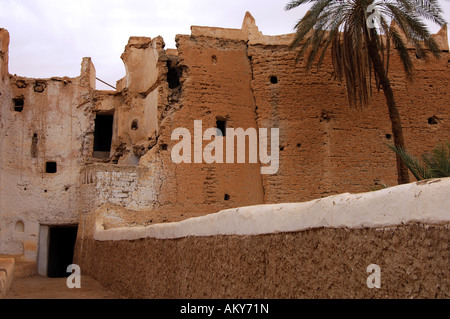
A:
(319, 263)
(325, 146)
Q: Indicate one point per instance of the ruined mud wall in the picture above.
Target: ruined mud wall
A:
(248, 80)
(45, 127)
(176, 89)
(211, 91)
(251, 80)
(317, 249)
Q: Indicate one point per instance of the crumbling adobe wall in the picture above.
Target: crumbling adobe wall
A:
(202, 88)
(211, 91)
(251, 80)
(325, 146)
(42, 120)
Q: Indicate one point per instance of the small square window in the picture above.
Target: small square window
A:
(50, 167)
(18, 104)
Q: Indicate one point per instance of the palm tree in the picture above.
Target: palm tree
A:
(360, 33)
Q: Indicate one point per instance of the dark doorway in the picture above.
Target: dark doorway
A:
(221, 125)
(60, 250)
(173, 74)
(103, 135)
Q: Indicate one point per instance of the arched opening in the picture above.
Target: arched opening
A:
(134, 125)
(19, 227)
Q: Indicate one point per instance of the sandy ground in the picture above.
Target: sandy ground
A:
(39, 287)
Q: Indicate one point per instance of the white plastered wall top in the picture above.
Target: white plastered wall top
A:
(426, 202)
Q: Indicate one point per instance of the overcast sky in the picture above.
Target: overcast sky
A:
(50, 37)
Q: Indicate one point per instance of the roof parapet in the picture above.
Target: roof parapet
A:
(250, 33)
(442, 38)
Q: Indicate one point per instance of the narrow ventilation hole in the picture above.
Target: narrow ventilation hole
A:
(388, 136)
(432, 120)
(226, 197)
(34, 145)
(273, 80)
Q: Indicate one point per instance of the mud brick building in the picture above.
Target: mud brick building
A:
(70, 152)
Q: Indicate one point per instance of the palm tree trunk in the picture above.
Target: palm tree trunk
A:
(397, 130)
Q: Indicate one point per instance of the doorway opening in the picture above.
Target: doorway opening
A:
(174, 74)
(61, 247)
(103, 133)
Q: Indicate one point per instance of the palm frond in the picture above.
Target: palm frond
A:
(342, 25)
(435, 164)
(430, 10)
(402, 51)
(438, 162)
(415, 166)
(296, 3)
